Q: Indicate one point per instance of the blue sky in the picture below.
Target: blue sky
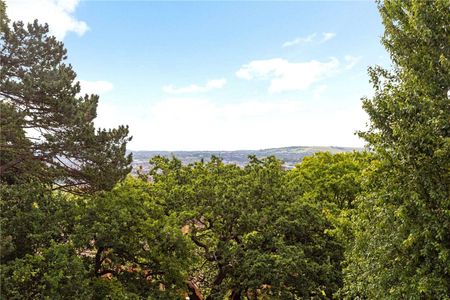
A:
(221, 75)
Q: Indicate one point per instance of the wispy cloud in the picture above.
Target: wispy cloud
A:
(57, 13)
(288, 76)
(95, 87)
(300, 40)
(324, 37)
(193, 88)
(351, 61)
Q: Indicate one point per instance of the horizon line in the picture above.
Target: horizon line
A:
(261, 149)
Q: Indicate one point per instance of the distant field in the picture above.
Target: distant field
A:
(289, 155)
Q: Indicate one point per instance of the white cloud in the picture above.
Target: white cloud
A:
(300, 40)
(193, 88)
(95, 87)
(326, 36)
(57, 13)
(204, 124)
(288, 76)
(351, 61)
(317, 93)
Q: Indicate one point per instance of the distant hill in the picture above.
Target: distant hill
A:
(289, 155)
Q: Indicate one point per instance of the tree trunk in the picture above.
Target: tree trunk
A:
(194, 291)
(98, 261)
(236, 294)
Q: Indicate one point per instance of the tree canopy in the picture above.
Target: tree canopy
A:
(361, 225)
(402, 227)
(255, 236)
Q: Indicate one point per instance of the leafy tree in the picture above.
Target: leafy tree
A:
(48, 142)
(402, 230)
(55, 273)
(47, 127)
(31, 217)
(122, 244)
(332, 182)
(254, 236)
(129, 239)
(332, 179)
(38, 259)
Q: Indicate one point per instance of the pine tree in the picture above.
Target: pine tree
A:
(47, 130)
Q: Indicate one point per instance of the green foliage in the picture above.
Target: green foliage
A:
(56, 272)
(38, 261)
(3, 18)
(123, 234)
(402, 225)
(230, 231)
(128, 236)
(111, 289)
(47, 127)
(253, 235)
(47, 142)
(355, 225)
(31, 217)
(332, 179)
(332, 182)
